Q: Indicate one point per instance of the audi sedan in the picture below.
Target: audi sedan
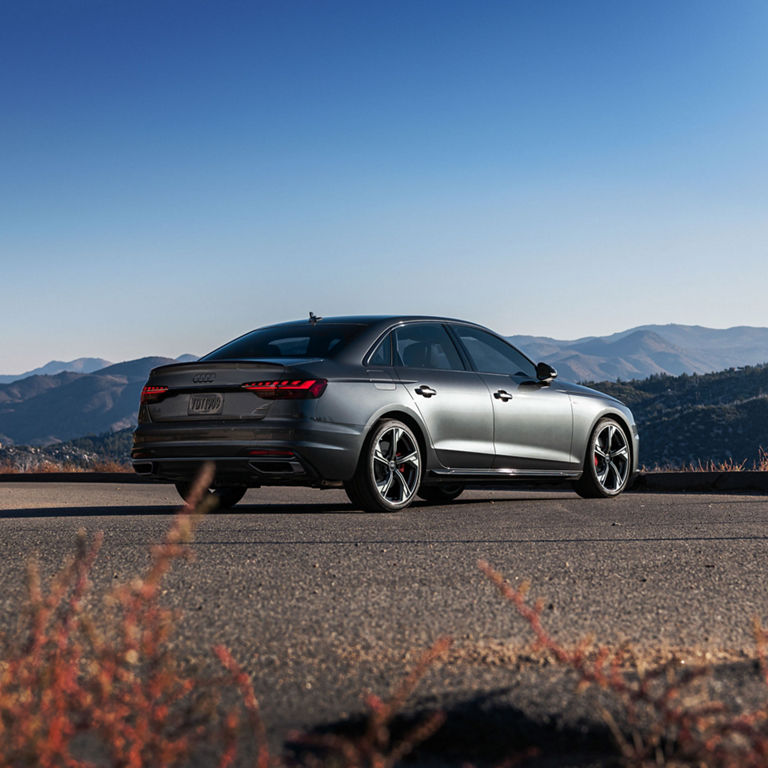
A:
(389, 408)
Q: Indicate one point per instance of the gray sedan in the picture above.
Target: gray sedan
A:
(390, 408)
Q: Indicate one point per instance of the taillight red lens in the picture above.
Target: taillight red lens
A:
(153, 394)
(287, 388)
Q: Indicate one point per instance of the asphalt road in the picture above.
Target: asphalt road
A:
(321, 602)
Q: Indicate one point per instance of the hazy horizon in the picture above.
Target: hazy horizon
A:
(152, 353)
(177, 173)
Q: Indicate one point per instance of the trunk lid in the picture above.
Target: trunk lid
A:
(204, 391)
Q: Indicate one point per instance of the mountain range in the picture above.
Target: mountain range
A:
(40, 410)
(81, 365)
(649, 349)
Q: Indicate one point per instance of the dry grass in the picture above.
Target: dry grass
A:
(49, 467)
(668, 717)
(76, 691)
(110, 466)
(760, 464)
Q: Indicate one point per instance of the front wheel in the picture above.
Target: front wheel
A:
(226, 495)
(389, 471)
(607, 462)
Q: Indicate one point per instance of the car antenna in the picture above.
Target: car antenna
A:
(313, 318)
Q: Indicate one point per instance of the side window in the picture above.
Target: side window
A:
(491, 354)
(425, 345)
(383, 353)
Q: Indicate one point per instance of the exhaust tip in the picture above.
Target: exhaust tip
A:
(273, 467)
(142, 467)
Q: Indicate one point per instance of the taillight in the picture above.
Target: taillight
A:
(152, 394)
(287, 388)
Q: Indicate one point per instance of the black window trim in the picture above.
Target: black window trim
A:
(460, 351)
(372, 349)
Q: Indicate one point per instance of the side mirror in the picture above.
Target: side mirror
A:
(545, 372)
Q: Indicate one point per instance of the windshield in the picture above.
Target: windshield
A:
(322, 340)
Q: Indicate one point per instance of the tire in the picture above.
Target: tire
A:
(389, 471)
(227, 495)
(607, 463)
(440, 494)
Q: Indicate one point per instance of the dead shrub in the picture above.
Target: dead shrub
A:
(668, 719)
(77, 692)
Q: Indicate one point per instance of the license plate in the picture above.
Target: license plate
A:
(207, 404)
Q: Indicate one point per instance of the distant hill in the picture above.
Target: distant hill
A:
(649, 349)
(41, 410)
(690, 418)
(81, 365)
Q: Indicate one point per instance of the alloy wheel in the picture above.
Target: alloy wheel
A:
(611, 456)
(395, 465)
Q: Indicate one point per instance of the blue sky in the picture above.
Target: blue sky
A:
(175, 172)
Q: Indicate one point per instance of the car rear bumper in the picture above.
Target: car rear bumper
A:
(293, 453)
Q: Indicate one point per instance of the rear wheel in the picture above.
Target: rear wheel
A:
(607, 462)
(226, 495)
(440, 494)
(389, 471)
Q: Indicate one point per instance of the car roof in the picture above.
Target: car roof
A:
(371, 320)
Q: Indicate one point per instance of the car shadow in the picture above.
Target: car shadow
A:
(565, 726)
(164, 509)
(483, 729)
(276, 508)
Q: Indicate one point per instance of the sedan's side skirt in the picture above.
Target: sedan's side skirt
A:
(502, 474)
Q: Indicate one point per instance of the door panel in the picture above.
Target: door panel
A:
(533, 420)
(452, 401)
(458, 416)
(533, 424)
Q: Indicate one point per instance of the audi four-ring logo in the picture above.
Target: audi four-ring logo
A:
(203, 378)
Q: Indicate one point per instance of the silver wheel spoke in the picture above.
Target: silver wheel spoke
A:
(622, 452)
(386, 485)
(411, 458)
(599, 451)
(379, 456)
(404, 488)
(397, 433)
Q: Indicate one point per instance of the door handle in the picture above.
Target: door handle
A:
(425, 391)
(502, 395)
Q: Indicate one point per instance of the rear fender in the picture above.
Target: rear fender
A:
(412, 418)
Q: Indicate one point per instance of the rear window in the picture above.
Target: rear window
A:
(287, 341)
